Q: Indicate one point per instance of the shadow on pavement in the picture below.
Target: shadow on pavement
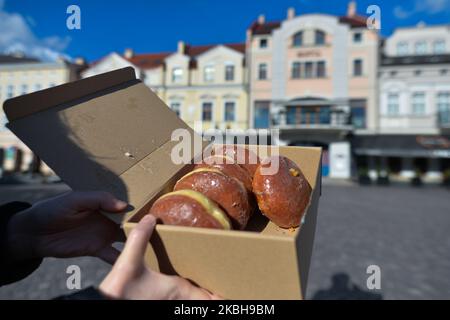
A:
(343, 289)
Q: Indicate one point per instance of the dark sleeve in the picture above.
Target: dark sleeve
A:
(90, 293)
(11, 272)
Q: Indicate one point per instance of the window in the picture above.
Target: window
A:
(262, 71)
(319, 38)
(24, 89)
(263, 43)
(297, 40)
(417, 72)
(357, 37)
(208, 73)
(230, 111)
(420, 47)
(357, 67)
(262, 115)
(418, 103)
(177, 75)
(10, 92)
(320, 71)
(393, 107)
(443, 72)
(296, 70)
(207, 111)
(37, 87)
(358, 113)
(402, 48)
(176, 107)
(439, 46)
(51, 85)
(443, 107)
(308, 70)
(393, 73)
(229, 72)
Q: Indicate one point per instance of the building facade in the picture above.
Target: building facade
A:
(414, 108)
(202, 84)
(314, 77)
(21, 75)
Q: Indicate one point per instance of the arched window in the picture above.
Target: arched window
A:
(297, 40)
(319, 37)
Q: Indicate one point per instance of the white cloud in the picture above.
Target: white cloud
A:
(17, 35)
(422, 6)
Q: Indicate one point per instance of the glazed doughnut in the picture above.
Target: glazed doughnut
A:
(282, 197)
(229, 193)
(191, 209)
(228, 166)
(241, 155)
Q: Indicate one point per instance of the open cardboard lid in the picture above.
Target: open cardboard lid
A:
(108, 132)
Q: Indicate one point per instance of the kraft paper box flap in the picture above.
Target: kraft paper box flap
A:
(108, 132)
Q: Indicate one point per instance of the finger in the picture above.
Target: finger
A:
(108, 254)
(188, 291)
(95, 200)
(137, 242)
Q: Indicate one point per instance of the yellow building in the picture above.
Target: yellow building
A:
(21, 75)
(203, 84)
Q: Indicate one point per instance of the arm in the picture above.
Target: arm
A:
(69, 225)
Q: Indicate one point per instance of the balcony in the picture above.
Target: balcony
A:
(312, 118)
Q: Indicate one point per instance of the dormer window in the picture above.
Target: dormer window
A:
(402, 48)
(297, 40)
(263, 43)
(420, 47)
(319, 37)
(208, 73)
(177, 75)
(439, 47)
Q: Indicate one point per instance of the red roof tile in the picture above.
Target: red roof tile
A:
(150, 60)
(265, 28)
(354, 21)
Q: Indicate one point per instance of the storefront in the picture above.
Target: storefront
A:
(403, 157)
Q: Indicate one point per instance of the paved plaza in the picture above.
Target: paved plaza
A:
(402, 230)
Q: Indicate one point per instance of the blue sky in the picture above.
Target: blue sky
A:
(39, 26)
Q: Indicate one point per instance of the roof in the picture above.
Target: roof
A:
(194, 51)
(149, 60)
(265, 28)
(6, 59)
(412, 60)
(354, 21)
(154, 60)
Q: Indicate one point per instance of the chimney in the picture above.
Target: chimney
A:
(291, 13)
(421, 24)
(80, 61)
(129, 53)
(261, 19)
(351, 9)
(181, 47)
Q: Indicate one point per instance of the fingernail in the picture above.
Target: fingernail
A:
(121, 203)
(148, 218)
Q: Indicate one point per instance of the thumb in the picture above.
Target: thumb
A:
(134, 251)
(94, 200)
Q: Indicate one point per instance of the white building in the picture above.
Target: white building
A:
(414, 109)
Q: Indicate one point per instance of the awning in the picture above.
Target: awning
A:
(429, 146)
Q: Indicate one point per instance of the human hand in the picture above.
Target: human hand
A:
(69, 225)
(131, 279)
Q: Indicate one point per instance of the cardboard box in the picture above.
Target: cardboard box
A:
(110, 132)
